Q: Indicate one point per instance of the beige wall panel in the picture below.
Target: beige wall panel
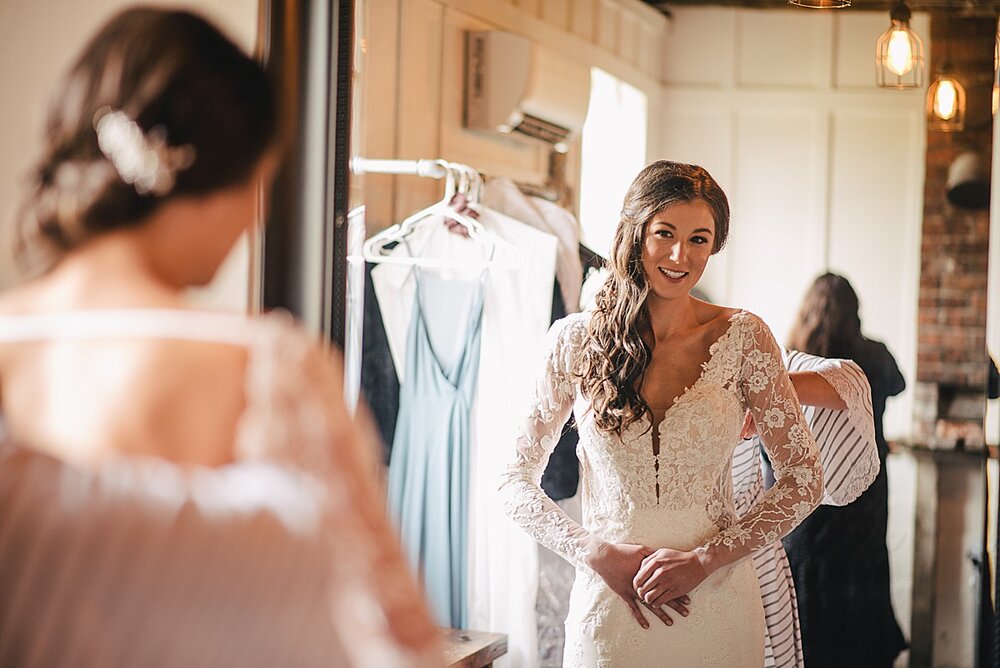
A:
(695, 36)
(698, 47)
(380, 63)
(783, 48)
(777, 230)
(607, 25)
(590, 51)
(492, 153)
(650, 49)
(419, 104)
(556, 12)
(874, 236)
(532, 7)
(582, 18)
(420, 113)
(628, 37)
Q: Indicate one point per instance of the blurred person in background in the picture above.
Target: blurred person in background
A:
(838, 555)
(177, 487)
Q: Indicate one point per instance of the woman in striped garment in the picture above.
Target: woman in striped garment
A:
(836, 399)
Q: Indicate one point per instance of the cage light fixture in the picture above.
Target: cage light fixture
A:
(821, 4)
(899, 52)
(946, 96)
(946, 102)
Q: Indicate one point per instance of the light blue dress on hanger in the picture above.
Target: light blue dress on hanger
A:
(429, 470)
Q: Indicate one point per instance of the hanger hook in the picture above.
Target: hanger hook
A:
(464, 179)
(480, 187)
(449, 179)
(474, 183)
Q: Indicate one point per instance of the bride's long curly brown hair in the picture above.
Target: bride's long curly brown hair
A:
(616, 353)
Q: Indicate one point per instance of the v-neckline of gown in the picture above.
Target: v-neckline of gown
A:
(656, 438)
(712, 354)
(453, 376)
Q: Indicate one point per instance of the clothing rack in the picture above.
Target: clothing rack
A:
(436, 169)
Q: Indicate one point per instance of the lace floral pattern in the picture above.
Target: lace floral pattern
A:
(681, 498)
(768, 393)
(295, 416)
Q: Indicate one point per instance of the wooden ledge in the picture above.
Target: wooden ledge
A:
(472, 649)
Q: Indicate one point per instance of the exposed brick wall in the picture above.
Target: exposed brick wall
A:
(951, 334)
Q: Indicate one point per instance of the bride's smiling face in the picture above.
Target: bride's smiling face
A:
(676, 246)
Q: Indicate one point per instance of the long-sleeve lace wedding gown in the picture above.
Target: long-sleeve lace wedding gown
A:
(681, 498)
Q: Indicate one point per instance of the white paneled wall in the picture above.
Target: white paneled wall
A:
(824, 171)
(874, 209)
(782, 50)
(778, 190)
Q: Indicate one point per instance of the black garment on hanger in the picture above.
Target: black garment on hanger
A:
(379, 382)
(562, 473)
(591, 260)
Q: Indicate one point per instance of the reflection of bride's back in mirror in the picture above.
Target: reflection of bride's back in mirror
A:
(218, 495)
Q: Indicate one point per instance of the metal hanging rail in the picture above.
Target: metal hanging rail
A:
(434, 169)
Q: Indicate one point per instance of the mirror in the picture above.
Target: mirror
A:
(824, 172)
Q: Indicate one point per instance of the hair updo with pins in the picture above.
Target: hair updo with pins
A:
(160, 104)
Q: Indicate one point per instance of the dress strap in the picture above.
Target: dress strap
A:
(230, 328)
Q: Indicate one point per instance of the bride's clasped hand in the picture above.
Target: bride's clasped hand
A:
(636, 572)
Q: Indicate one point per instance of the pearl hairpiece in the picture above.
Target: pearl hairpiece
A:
(144, 160)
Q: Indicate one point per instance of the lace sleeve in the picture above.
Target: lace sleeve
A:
(846, 438)
(299, 418)
(520, 486)
(769, 395)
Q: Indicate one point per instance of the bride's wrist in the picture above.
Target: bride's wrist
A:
(706, 558)
(596, 554)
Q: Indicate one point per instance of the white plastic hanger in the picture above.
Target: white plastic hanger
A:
(501, 253)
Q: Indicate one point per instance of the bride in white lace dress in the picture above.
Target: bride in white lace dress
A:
(659, 383)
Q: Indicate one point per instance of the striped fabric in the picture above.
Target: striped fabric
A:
(850, 463)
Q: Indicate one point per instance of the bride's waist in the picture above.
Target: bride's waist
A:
(681, 529)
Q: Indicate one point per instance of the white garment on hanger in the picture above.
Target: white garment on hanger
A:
(503, 559)
(503, 195)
